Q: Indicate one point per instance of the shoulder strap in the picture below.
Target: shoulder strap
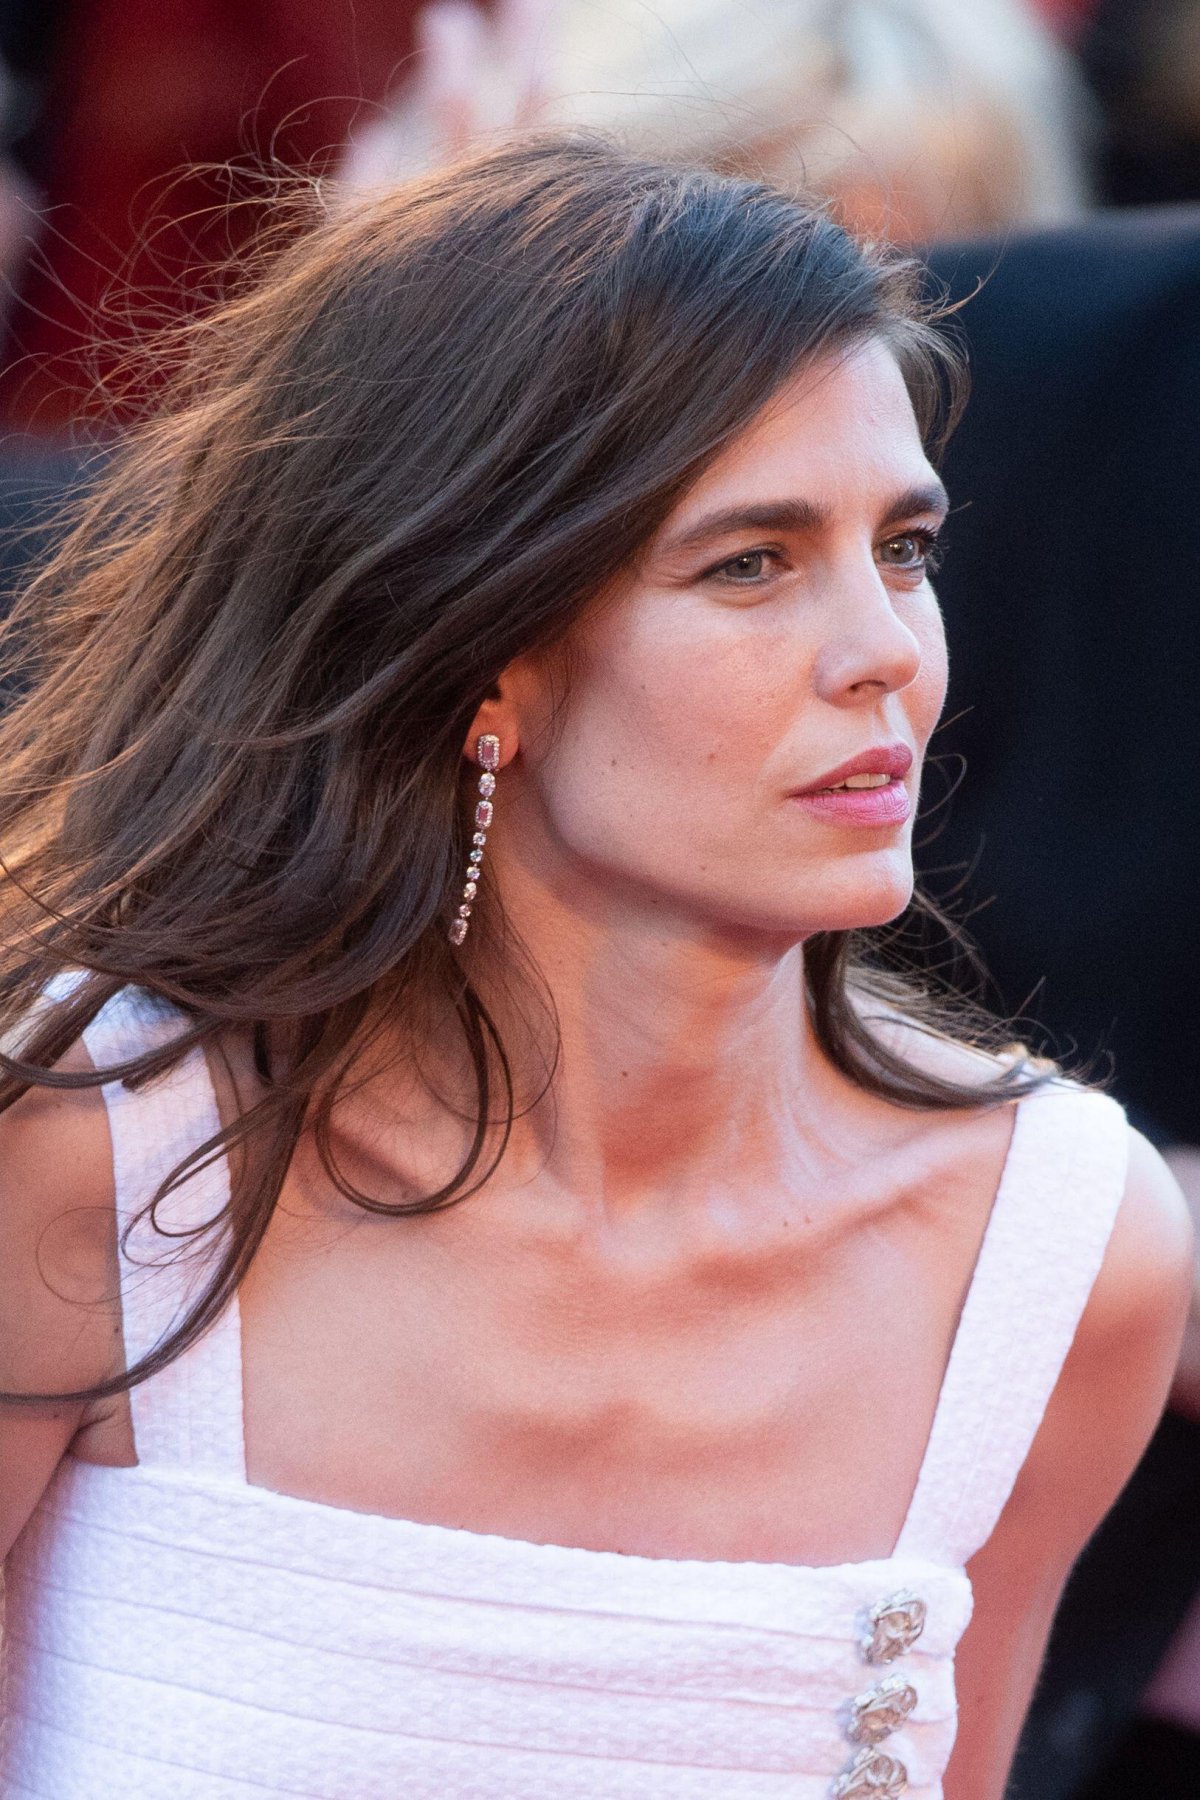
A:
(1050, 1224)
(189, 1415)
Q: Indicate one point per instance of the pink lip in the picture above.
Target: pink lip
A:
(888, 805)
(885, 759)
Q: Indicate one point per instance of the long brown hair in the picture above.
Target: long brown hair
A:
(411, 452)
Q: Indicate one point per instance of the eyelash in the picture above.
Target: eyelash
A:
(932, 551)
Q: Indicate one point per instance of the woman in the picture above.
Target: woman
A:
(475, 731)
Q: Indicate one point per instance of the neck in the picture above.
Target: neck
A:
(686, 1053)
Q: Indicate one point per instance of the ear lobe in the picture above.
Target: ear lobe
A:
(501, 713)
(493, 720)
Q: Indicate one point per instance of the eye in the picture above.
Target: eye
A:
(744, 570)
(912, 550)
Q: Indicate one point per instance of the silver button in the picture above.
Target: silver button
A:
(881, 1710)
(871, 1776)
(895, 1625)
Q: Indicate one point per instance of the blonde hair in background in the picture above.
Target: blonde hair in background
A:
(919, 118)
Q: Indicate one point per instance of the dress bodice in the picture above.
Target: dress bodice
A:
(174, 1633)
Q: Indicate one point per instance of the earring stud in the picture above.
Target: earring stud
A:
(487, 755)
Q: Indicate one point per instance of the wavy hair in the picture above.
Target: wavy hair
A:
(413, 450)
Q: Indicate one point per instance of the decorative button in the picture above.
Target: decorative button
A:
(871, 1776)
(882, 1709)
(896, 1624)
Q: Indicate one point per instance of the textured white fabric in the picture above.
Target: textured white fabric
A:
(173, 1633)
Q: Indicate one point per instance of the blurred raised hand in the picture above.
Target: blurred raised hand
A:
(476, 75)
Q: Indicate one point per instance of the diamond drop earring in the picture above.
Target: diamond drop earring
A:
(487, 755)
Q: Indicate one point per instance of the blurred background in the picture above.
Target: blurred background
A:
(1044, 158)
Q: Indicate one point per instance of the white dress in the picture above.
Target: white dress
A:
(173, 1633)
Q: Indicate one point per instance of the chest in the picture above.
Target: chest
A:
(433, 1370)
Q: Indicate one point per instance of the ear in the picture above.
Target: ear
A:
(500, 714)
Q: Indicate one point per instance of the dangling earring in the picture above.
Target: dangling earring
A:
(487, 755)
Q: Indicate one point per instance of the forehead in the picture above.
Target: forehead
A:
(840, 430)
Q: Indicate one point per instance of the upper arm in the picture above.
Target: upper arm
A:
(60, 1321)
(1183, 1160)
(1104, 1408)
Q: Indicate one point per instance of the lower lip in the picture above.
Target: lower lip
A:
(888, 805)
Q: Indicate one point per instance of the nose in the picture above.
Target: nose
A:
(869, 650)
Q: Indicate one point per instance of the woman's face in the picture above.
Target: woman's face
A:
(779, 626)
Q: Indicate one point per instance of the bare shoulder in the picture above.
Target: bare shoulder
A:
(1145, 1281)
(57, 1217)
(60, 1325)
(1108, 1398)
(1135, 1316)
(1118, 1373)
(1100, 1417)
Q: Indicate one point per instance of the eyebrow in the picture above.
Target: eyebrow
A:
(803, 515)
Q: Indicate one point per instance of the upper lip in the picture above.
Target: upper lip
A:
(886, 759)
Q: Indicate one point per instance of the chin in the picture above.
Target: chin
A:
(856, 899)
(802, 900)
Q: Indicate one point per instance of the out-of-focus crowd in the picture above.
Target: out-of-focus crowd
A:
(922, 118)
(1045, 156)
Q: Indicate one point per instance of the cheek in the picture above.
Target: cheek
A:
(652, 718)
(924, 699)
